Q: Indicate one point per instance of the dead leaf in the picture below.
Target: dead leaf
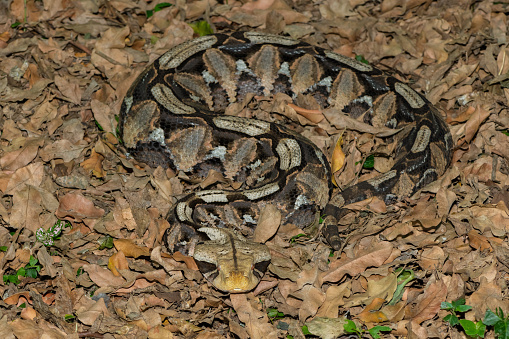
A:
(130, 249)
(338, 269)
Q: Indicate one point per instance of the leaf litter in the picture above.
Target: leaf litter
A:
(64, 69)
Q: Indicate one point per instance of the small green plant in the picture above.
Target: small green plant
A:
(31, 270)
(370, 162)
(351, 327)
(476, 329)
(498, 321)
(201, 28)
(69, 318)
(295, 237)
(3, 248)
(105, 242)
(361, 59)
(274, 314)
(157, 8)
(48, 237)
(455, 307)
(404, 277)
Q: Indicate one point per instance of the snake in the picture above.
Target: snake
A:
(179, 114)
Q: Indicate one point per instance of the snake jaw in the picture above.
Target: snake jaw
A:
(236, 282)
(230, 262)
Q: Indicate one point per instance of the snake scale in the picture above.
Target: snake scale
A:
(174, 116)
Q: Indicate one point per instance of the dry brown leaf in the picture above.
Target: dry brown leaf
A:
(94, 164)
(338, 159)
(268, 223)
(313, 115)
(478, 241)
(103, 277)
(256, 321)
(428, 303)
(70, 89)
(488, 295)
(77, 207)
(334, 298)
(371, 313)
(338, 269)
(117, 261)
(130, 249)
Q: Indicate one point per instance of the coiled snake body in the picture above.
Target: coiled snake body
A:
(173, 116)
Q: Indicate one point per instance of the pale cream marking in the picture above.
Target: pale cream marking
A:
(157, 135)
(289, 154)
(421, 140)
(261, 192)
(411, 96)
(164, 95)
(211, 196)
(360, 66)
(242, 125)
(178, 54)
(128, 101)
(263, 38)
(376, 181)
(215, 234)
(184, 212)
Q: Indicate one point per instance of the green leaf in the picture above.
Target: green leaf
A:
(361, 59)
(305, 330)
(162, 5)
(370, 162)
(3, 248)
(501, 328)
(452, 319)
(33, 260)
(157, 8)
(295, 237)
(24, 305)
(21, 272)
(16, 24)
(458, 302)
(375, 331)
(444, 305)
(11, 278)
(463, 308)
(105, 242)
(69, 317)
(99, 126)
(201, 28)
(490, 318)
(79, 271)
(469, 327)
(350, 327)
(272, 312)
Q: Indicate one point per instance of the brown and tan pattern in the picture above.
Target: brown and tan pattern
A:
(173, 117)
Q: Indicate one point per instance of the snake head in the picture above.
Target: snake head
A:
(230, 262)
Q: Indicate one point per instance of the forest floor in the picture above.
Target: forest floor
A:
(65, 67)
